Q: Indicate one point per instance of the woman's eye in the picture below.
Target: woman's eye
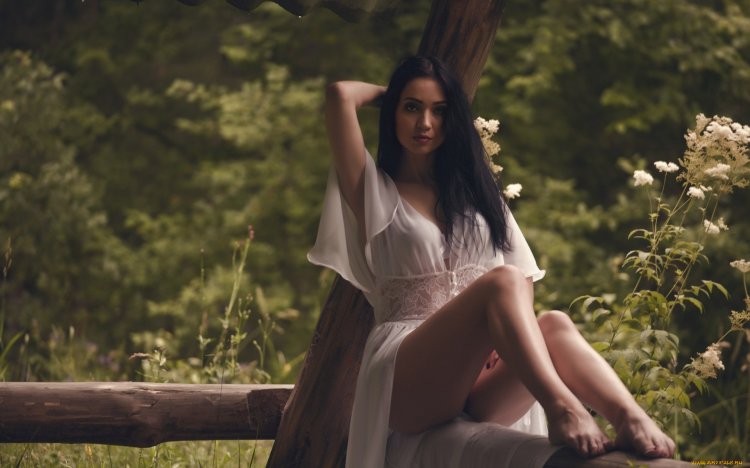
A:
(440, 110)
(410, 107)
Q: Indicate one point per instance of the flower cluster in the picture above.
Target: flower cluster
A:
(738, 319)
(708, 361)
(699, 193)
(741, 264)
(512, 191)
(729, 130)
(717, 154)
(719, 171)
(662, 166)
(712, 228)
(486, 130)
(642, 178)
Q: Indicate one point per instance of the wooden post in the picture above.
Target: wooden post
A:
(138, 414)
(315, 423)
(461, 34)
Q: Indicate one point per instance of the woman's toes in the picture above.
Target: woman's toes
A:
(609, 445)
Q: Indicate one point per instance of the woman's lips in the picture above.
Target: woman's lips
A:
(422, 139)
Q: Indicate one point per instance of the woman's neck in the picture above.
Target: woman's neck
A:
(416, 169)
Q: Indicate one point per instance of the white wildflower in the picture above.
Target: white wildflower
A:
(719, 171)
(486, 128)
(705, 189)
(495, 168)
(710, 227)
(512, 191)
(695, 192)
(642, 178)
(490, 147)
(708, 362)
(722, 225)
(725, 132)
(738, 319)
(741, 264)
(662, 166)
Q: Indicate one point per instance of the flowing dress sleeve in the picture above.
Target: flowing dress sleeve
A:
(520, 254)
(340, 245)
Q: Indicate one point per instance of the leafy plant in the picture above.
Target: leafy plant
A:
(634, 334)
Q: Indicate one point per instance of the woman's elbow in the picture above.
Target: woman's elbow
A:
(336, 92)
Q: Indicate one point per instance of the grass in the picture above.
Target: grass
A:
(218, 454)
(221, 364)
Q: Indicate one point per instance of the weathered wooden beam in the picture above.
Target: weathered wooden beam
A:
(138, 414)
(566, 458)
(145, 414)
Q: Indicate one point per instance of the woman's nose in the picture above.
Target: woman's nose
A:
(425, 120)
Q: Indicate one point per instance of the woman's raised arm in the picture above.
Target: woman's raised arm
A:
(343, 98)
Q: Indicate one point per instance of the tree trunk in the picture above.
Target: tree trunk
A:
(315, 424)
(461, 34)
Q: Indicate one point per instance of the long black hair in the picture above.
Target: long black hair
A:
(464, 181)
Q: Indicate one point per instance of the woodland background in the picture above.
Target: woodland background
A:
(139, 140)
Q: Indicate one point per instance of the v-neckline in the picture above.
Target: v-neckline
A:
(445, 246)
(405, 202)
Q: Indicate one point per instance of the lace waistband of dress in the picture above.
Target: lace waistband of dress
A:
(416, 297)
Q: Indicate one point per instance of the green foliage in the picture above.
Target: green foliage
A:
(635, 335)
(140, 141)
(218, 454)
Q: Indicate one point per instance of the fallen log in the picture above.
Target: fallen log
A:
(138, 414)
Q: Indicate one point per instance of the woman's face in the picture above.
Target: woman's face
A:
(419, 117)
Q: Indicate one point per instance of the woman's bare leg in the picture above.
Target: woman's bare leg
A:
(590, 378)
(447, 351)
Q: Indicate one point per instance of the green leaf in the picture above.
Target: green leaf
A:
(600, 346)
(711, 284)
(600, 313)
(698, 304)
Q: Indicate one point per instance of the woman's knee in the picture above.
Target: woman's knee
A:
(505, 278)
(555, 321)
(506, 292)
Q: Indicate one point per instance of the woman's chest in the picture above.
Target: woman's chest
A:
(413, 245)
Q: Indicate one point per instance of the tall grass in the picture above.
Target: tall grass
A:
(220, 361)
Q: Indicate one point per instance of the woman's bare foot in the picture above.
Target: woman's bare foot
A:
(636, 431)
(576, 428)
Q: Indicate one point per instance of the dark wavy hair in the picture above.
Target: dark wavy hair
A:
(464, 181)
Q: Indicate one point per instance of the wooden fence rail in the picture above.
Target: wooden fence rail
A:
(138, 414)
(147, 414)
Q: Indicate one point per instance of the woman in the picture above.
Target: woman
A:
(449, 275)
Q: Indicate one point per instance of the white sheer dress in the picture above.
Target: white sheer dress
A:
(406, 272)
